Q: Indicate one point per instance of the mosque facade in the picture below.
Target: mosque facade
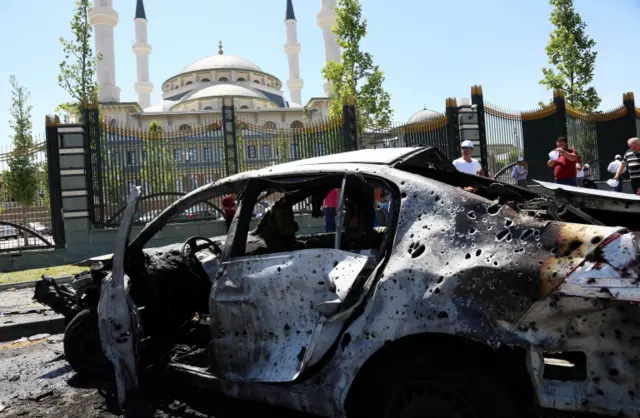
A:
(195, 95)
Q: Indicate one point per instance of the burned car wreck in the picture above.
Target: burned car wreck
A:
(477, 298)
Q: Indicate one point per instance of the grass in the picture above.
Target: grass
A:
(35, 274)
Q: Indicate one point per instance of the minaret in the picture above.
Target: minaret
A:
(326, 19)
(104, 18)
(142, 49)
(292, 48)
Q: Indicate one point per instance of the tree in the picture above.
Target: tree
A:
(356, 75)
(158, 167)
(77, 70)
(572, 58)
(22, 179)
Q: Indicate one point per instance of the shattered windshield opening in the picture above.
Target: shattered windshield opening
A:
(277, 230)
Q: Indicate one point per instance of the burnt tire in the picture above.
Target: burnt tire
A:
(407, 389)
(82, 346)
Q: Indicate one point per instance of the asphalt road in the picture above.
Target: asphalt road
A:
(36, 381)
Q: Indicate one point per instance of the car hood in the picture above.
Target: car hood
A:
(593, 198)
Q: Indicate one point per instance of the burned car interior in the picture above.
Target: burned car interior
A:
(172, 285)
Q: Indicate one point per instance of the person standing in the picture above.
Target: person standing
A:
(466, 164)
(330, 204)
(631, 162)
(521, 172)
(228, 210)
(564, 166)
(613, 169)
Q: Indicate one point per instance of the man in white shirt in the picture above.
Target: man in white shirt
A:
(466, 164)
(613, 169)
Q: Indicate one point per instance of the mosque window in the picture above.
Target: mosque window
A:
(208, 108)
(244, 107)
(184, 128)
(256, 81)
(266, 151)
(188, 82)
(113, 123)
(296, 124)
(251, 152)
(270, 125)
(223, 79)
(205, 80)
(241, 79)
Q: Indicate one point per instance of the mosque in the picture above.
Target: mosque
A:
(196, 93)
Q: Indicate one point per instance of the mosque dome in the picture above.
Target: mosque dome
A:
(221, 62)
(424, 115)
(223, 90)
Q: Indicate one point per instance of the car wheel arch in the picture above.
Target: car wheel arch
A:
(511, 361)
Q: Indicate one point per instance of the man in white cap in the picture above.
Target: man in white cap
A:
(520, 172)
(466, 164)
(631, 162)
(613, 169)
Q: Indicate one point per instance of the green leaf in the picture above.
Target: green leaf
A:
(572, 58)
(77, 70)
(356, 75)
(22, 179)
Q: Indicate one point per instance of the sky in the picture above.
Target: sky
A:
(428, 49)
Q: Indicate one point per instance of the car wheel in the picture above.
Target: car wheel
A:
(403, 390)
(82, 346)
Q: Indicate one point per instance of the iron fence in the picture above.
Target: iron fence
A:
(582, 135)
(503, 130)
(25, 219)
(431, 132)
(168, 163)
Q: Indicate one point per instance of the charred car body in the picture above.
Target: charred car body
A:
(473, 288)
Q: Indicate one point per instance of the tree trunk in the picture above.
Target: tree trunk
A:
(24, 223)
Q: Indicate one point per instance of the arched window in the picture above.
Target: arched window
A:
(188, 82)
(256, 81)
(208, 108)
(244, 107)
(205, 80)
(223, 79)
(113, 123)
(296, 124)
(270, 125)
(184, 128)
(241, 79)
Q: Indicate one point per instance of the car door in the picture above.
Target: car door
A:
(268, 311)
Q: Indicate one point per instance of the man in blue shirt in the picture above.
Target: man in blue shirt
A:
(521, 172)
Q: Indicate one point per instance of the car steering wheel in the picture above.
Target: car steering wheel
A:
(192, 244)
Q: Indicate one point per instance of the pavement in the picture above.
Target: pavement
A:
(21, 316)
(36, 381)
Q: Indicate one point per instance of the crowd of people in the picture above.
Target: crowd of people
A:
(568, 167)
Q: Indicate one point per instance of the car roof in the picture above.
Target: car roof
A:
(385, 156)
